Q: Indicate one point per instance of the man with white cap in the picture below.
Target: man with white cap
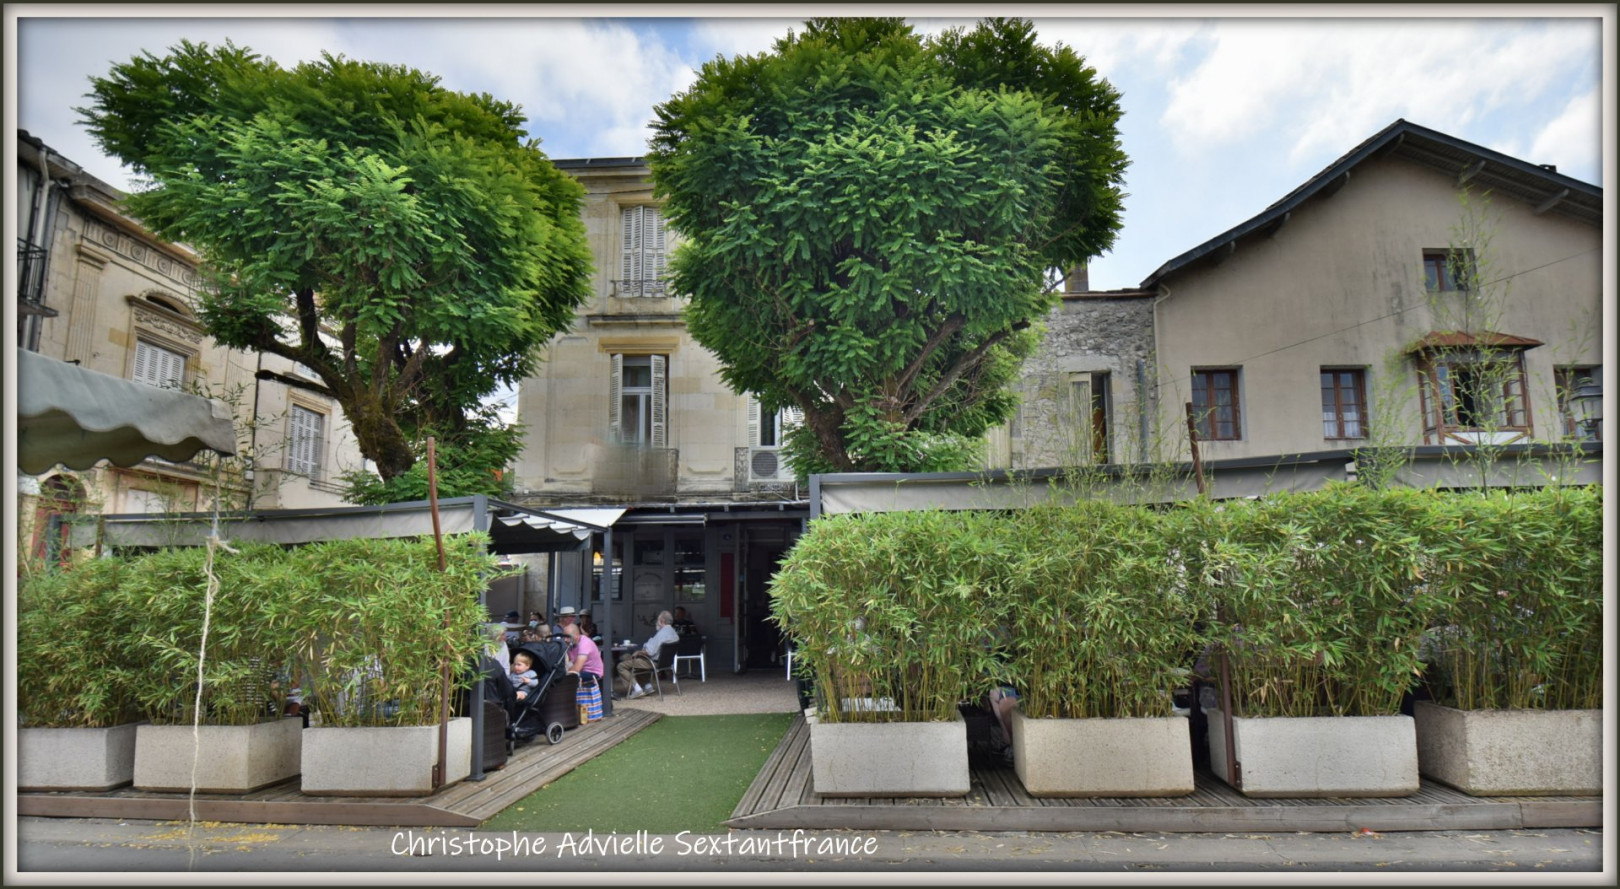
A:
(565, 616)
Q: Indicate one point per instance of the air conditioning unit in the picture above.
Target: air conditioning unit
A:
(768, 465)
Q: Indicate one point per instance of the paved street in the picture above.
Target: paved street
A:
(98, 845)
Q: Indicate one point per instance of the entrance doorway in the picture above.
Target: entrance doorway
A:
(761, 638)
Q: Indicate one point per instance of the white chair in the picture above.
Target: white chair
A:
(691, 648)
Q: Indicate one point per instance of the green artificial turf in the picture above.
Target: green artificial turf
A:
(680, 773)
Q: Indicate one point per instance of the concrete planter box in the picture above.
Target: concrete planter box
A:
(1103, 757)
(1512, 752)
(75, 758)
(890, 758)
(1318, 756)
(230, 758)
(383, 760)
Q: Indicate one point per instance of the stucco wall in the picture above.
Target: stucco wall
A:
(1341, 284)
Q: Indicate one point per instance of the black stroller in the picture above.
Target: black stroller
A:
(528, 717)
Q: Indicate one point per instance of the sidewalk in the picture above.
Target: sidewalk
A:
(100, 845)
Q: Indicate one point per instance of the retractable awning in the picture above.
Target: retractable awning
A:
(77, 417)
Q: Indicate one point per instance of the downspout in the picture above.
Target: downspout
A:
(1164, 294)
(42, 215)
(1143, 406)
(608, 585)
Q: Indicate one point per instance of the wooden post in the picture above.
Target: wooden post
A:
(440, 767)
(1192, 438)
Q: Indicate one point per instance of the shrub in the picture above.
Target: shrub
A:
(372, 621)
(1103, 622)
(900, 607)
(73, 661)
(1319, 598)
(1520, 619)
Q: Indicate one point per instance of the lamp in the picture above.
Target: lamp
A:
(1587, 402)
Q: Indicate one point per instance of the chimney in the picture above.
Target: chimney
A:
(1077, 281)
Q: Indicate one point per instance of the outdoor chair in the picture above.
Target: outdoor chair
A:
(691, 648)
(665, 666)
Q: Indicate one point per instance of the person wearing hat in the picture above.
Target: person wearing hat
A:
(566, 615)
(587, 624)
(514, 623)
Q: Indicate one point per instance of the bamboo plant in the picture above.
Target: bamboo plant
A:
(73, 649)
(1520, 619)
(897, 615)
(1103, 623)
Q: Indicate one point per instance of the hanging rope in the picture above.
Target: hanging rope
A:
(214, 543)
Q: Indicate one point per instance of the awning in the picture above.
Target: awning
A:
(76, 417)
(580, 523)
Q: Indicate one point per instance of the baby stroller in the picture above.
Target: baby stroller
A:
(528, 716)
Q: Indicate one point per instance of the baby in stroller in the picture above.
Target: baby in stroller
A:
(545, 664)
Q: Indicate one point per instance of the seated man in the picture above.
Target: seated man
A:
(645, 658)
(683, 624)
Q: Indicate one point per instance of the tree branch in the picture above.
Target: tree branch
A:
(968, 361)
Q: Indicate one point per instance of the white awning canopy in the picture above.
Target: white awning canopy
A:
(581, 523)
(77, 417)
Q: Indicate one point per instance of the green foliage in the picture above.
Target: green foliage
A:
(1326, 603)
(1520, 620)
(1103, 622)
(73, 651)
(467, 464)
(869, 220)
(362, 625)
(160, 602)
(906, 607)
(418, 227)
(1320, 598)
(374, 620)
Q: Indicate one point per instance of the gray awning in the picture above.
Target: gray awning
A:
(76, 417)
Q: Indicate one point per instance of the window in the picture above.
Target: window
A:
(1473, 390)
(637, 407)
(1090, 410)
(1215, 405)
(641, 252)
(1447, 270)
(306, 442)
(158, 366)
(769, 429)
(1344, 403)
(1569, 380)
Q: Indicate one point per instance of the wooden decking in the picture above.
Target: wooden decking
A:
(463, 804)
(781, 797)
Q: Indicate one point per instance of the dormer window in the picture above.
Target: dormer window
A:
(1473, 387)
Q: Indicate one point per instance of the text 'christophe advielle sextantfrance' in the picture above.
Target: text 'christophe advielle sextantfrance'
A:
(590, 844)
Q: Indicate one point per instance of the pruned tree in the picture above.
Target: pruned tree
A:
(407, 243)
(871, 220)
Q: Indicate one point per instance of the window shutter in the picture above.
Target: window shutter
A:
(753, 421)
(660, 422)
(630, 249)
(615, 398)
(143, 362)
(655, 248)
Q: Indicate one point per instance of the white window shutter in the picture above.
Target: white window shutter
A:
(630, 249)
(792, 418)
(753, 421)
(656, 243)
(615, 398)
(143, 361)
(660, 423)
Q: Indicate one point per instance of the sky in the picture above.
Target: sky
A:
(1223, 113)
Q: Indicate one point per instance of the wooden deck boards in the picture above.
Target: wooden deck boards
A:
(463, 804)
(782, 797)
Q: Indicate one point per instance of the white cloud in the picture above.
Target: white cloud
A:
(1329, 84)
(1573, 141)
(1112, 45)
(740, 36)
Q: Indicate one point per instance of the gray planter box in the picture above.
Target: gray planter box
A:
(890, 758)
(75, 758)
(1512, 752)
(1103, 757)
(230, 758)
(383, 760)
(1318, 756)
